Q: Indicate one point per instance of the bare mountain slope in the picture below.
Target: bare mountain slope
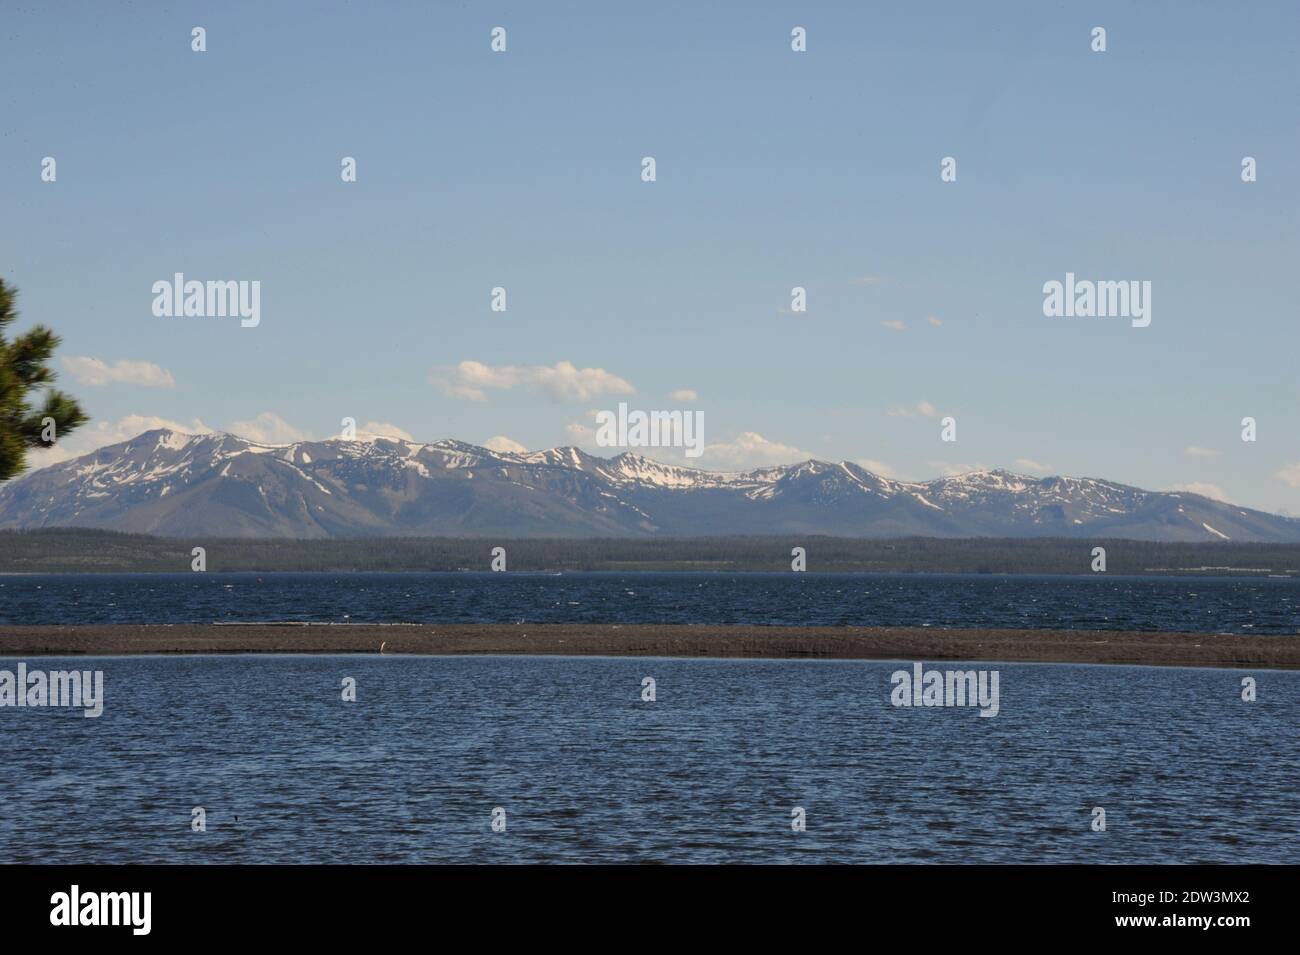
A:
(168, 483)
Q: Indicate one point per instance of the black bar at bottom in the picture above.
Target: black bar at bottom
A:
(334, 903)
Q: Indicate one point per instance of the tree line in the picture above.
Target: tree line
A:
(82, 551)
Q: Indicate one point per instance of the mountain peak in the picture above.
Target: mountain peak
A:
(169, 482)
(811, 466)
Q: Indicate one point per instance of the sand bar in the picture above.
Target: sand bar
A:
(848, 643)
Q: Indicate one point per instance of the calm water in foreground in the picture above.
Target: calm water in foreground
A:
(587, 772)
(1197, 604)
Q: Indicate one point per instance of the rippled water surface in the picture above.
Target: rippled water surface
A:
(1210, 605)
(586, 771)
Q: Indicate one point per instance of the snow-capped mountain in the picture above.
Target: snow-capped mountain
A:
(167, 483)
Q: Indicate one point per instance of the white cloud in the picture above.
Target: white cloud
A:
(1290, 474)
(933, 321)
(265, 428)
(922, 408)
(502, 443)
(1032, 466)
(745, 452)
(894, 325)
(579, 433)
(469, 378)
(268, 428)
(384, 430)
(1192, 451)
(877, 467)
(684, 394)
(952, 470)
(750, 450)
(564, 382)
(97, 372)
(98, 434)
(1205, 490)
(561, 381)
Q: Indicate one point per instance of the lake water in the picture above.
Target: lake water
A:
(1209, 605)
(588, 772)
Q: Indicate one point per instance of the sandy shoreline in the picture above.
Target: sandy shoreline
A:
(848, 643)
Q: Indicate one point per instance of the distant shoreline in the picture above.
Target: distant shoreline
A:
(635, 640)
(54, 551)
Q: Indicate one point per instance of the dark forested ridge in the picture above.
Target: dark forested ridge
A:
(72, 550)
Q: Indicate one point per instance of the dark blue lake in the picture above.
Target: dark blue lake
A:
(588, 772)
(1197, 604)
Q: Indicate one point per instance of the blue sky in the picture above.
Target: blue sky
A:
(775, 169)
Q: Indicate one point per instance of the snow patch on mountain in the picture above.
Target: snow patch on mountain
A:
(168, 482)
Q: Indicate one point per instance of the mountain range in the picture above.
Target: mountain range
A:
(218, 485)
